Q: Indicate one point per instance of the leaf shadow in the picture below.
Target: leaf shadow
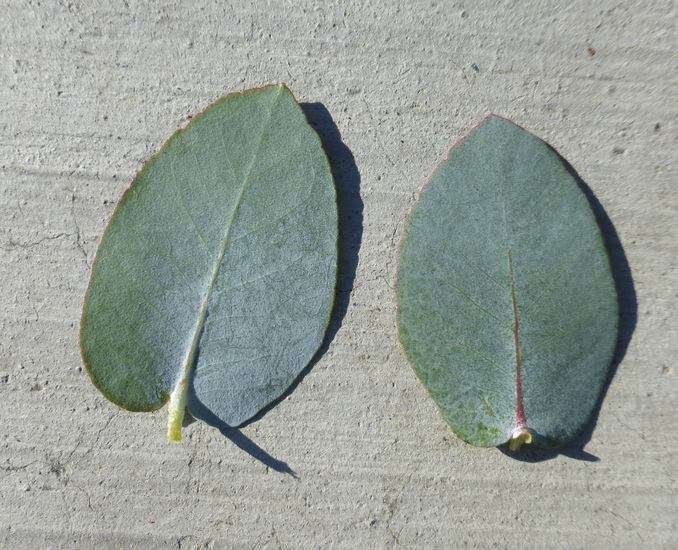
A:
(240, 440)
(244, 443)
(628, 316)
(350, 214)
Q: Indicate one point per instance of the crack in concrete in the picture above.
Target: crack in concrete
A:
(11, 468)
(633, 527)
(80, 241)
(12, 244)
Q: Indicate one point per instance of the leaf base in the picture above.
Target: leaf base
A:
(519, 437)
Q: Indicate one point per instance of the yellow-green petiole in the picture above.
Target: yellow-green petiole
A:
(177, 409)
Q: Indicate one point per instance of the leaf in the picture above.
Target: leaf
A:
(507, 308)
(214, 281)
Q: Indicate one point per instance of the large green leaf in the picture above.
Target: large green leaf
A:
(507, 308)
(214, 281)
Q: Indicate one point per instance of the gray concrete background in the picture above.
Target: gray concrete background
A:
(89, 90)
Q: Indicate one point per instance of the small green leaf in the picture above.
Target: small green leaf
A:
(507, 308)
(214, 281)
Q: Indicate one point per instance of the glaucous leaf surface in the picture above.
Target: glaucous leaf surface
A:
(507, 308)
(214, 281)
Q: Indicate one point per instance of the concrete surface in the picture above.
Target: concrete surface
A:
(357, 454)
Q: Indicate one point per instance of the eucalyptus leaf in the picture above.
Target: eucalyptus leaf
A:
(507, 307)
(214, 281)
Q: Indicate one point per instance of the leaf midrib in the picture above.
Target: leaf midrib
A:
(519, 421)
(217, 266)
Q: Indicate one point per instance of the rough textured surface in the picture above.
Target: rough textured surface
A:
(89, 90)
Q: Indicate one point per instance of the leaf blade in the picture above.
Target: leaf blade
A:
(175, 245)
(505, 221)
